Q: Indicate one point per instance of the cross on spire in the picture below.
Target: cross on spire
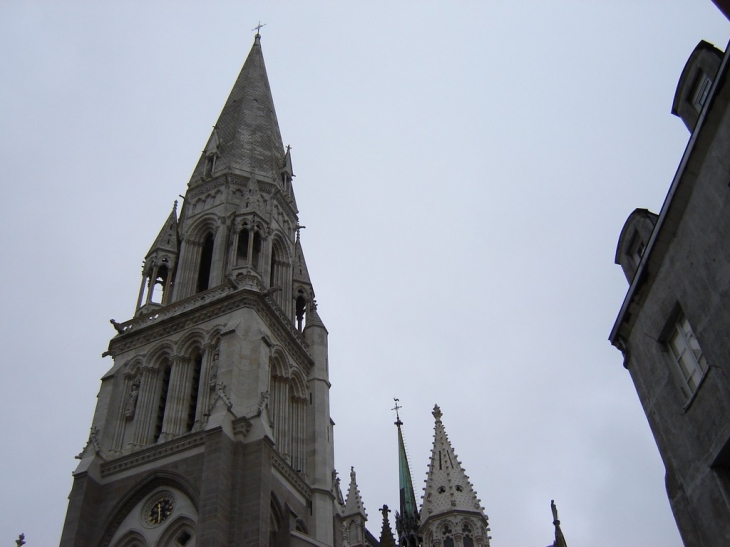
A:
(397, 407)
(257, 28)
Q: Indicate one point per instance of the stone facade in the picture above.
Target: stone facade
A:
(673, 325)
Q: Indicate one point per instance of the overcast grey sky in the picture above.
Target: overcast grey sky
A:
(463, 170)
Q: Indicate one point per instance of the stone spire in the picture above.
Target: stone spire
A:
(159, 267)
(353, 502)
(406, 521)
(448, 490)
(166, 242)
(246, 139)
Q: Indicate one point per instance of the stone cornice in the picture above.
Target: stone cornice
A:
(292, 476)
(192, 311)
(152, 453)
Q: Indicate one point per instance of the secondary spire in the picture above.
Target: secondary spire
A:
(448, 491)
(407, 520)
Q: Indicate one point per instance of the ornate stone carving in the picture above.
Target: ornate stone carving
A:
(167, 322)
(263, 402)
(93, 441)
(132, 400)
(292, 476)
(152, 453)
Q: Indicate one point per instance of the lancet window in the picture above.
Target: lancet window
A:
(206, 263)
(156, 282)
(278, 271)
(301, 309)
(288, 412)
(210, 161)
(248, 248)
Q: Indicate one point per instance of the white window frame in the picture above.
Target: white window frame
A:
(685, 353)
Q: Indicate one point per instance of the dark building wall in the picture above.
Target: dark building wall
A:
(686, 270)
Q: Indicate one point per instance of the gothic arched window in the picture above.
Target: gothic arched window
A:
(301, 310)
(242, 250)
(447, 535)
(468, 536)
(206, 262)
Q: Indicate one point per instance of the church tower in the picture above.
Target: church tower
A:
(212, 426)
(451, 513)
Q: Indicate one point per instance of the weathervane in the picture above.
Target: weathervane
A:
(397, 407)
(257, 28)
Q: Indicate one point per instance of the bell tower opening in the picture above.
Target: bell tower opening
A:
(301, 310)
(206, 261)
(242, 251)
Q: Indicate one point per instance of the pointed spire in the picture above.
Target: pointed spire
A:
(166, 240)
(386, 532)
(447, 486)
(353, 503)
(559, 538)
(313, 318)
(299, 270)
(246, 138)
(406, 521)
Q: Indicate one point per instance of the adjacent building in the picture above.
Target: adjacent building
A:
(674, 324)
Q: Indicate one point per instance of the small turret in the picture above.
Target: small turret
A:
(158, 271)
(354, 515)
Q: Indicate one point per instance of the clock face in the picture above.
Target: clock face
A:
(158, 510)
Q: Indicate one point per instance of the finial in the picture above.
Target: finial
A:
(397, 407)
(20, 541)
(554, 509)
(437, 413)
(257, 28)
(174, 206)
(352, 472)
(384, 509)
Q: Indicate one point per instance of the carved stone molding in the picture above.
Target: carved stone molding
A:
(152, 453)
(292, 476)
(172, 320)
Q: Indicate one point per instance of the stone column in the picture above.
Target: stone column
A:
(207, 375)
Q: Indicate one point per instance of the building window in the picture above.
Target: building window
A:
(686, 354)
(702, 90)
